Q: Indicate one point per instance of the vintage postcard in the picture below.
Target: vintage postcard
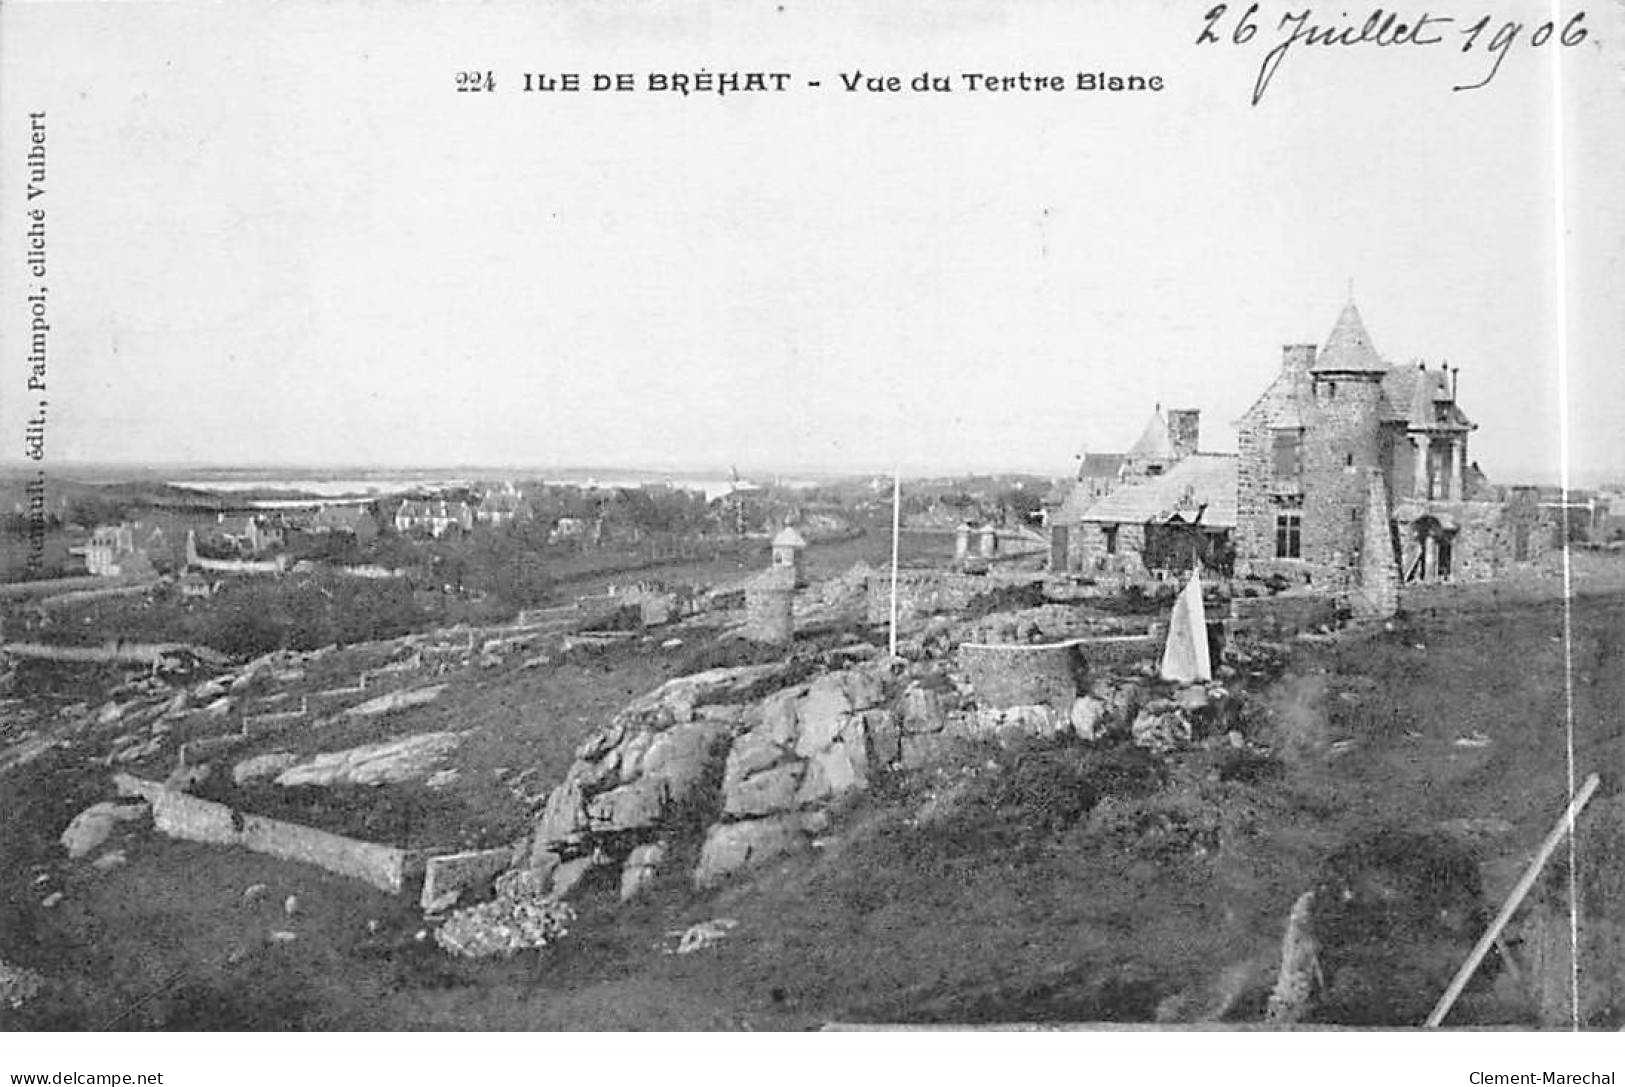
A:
(819, 517)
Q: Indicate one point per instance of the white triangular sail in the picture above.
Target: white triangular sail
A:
(1185, 659)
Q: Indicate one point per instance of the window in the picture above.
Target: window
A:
(1111, 539)
(1288, 453)
(1348, 460)
(1288, 530)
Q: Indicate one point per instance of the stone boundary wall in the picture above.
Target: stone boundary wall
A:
(1282, 614)
(931, 592)
(1114, 649)
(1023, 675)
(187, 817)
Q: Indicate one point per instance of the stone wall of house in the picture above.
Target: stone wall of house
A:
(1089, 554)
(1341, 450)
(1402, 469)
(1485, 543)
(1259, 495)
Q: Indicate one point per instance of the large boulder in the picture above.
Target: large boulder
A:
(923, 710)
(631, 807)
(838, 768)
(822, 713)
(732, 847)
(1089, 718)
(262, 766)
(683, 756)
(404, 759)
(755, 751)
(564, 816)
(683, 694)
(640, 869)
(764, 793)
(91, 827)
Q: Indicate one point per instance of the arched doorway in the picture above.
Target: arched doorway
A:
(1429, 551)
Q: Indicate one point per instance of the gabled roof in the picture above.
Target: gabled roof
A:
(1348, 350)
(1410, 394)
(1100, 465)
(1154, 443)
(789, 537)
(1201, 487)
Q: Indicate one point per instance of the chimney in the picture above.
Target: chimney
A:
(1297, 357)
(1184, 430)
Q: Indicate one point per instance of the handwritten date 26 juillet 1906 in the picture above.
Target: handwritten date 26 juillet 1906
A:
(1485, 35)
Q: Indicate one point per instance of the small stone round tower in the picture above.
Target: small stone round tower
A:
(1341, 450)
(787, 548)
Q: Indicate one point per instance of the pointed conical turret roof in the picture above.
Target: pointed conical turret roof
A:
(789, 537)
(1348, 350)
(1154, 442)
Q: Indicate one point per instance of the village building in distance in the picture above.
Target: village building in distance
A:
(1348, 470)
(434, 516)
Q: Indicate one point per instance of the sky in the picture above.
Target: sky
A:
(278, 234)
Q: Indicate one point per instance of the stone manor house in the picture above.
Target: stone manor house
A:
(1348, 470)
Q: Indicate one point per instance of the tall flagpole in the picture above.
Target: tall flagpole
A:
(896, 524)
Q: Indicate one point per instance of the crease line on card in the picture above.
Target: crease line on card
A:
(1565, 480)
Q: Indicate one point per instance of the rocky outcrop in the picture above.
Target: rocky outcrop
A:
(696, 751)
(807, 746)
(760, 778)
(655, 766)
